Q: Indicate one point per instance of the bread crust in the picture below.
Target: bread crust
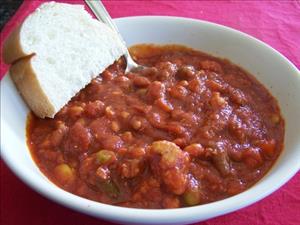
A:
(12, 49)
(29, 87)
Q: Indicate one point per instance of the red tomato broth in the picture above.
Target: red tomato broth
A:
(188, 130)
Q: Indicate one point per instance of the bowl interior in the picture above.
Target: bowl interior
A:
(269, 67)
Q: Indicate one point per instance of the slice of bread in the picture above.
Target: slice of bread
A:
(56, 52)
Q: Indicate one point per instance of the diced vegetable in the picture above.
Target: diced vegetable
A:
(171, 202)
(168, 150)
(267, 147)
(194, 150)
(221, 161)
(172, 165)
(130, 168)
(110, 188)
(275, 118)
(105, 157)
(191, 197)
(64, 174)
(252, 157)
(115, 126)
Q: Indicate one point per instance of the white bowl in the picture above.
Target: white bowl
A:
(271, 68)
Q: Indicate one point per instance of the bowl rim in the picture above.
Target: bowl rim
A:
(124, 214)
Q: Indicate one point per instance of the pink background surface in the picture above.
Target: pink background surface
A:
(277, 23)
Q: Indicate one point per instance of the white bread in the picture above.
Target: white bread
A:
(56, 52)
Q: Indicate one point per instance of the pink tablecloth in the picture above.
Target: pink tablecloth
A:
(274, 22)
